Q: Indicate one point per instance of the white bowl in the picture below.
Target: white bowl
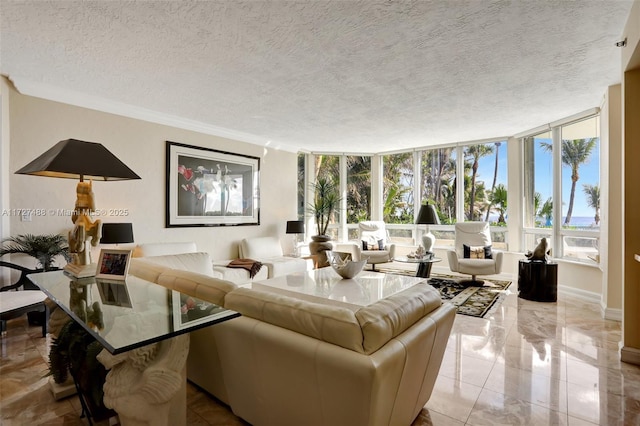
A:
(344, 266)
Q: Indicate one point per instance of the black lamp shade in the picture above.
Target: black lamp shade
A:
(295, 227)
(428, 215)
(116, 233)
(75, 159)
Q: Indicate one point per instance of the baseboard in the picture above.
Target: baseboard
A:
(630, 355)
(587, 296)
(610, 313)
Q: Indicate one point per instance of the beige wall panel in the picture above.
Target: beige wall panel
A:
(36, 125)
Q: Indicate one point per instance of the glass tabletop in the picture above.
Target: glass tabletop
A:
(417, 259)
(124, 315)
(325, 285)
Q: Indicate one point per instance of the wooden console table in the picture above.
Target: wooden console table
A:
(538, 281)
(143, 328)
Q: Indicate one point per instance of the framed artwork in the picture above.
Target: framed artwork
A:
(206, 187)
(113, 264)
(189, 311)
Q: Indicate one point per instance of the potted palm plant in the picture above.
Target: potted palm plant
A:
(326, 202)
(44, 248)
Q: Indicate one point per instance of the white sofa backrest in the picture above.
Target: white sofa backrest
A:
(472, 234)
(199, 262)
(260, 248)
(163, 249)
(364, 331)
(373, 231)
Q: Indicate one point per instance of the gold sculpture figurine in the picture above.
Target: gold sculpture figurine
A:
(84, 228)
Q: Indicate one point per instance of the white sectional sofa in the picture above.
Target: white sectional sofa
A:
(288, 361)
(269, 251)
(198, 261)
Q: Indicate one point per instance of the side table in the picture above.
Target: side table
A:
(538, 281)
(424, 264)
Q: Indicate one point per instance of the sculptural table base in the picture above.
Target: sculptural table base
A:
(538, 281)
(147, 386)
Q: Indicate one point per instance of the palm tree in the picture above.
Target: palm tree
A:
(475, 152)
(546, 211)
(326, 202)
(495, 178)
(498, 198)
(44, 248)
(593, 199)
(574, 153)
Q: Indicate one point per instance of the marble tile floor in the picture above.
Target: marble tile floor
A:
(528, 363)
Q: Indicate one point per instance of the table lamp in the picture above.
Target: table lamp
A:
(76, 159)
(428, 216)
(295, 227)
(116, 233)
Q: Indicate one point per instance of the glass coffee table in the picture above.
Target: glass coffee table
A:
(424, 264)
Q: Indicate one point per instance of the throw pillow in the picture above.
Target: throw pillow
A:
(380, 244)
(477, 252)
(368, 245)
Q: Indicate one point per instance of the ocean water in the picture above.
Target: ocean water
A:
(577, 221)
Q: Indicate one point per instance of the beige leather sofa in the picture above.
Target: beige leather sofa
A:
(287, 361)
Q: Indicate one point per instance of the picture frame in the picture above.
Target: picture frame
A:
(113, 264)
(208, 187)
(189, 311)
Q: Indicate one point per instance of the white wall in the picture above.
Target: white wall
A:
(37, 125)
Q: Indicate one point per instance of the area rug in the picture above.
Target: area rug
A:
(474, 301)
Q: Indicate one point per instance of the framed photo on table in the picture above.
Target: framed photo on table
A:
(207, 187)
(113, 264)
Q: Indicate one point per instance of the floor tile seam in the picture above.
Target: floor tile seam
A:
(520, 400)
(603, 392)
(527, 402)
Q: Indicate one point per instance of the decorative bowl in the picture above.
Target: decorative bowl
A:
(344, 266)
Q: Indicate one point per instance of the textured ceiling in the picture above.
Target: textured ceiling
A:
(340, 76)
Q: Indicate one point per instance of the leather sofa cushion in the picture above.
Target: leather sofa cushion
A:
(197, 285)
(329, 323)
(389, 317)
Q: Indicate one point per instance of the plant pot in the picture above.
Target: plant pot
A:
(319, 246)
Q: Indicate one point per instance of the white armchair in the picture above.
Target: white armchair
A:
(476, 236)
(374, 234)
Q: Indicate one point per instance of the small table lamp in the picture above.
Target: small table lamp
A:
(295, 227)
(76, 159)
(116, 233)
(428, 216)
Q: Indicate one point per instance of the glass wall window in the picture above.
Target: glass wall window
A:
(581, 189)
(538, 181)
(577, 186)
(397, 188)
(581, 175)
(485, 182)
(301, 174)
(438, 173)
(358, 188)
(328, 167)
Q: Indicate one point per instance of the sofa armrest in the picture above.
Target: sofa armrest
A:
(392, 251)
(452, 256)
(497, 256)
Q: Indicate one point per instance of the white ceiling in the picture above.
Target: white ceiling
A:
(339, 76)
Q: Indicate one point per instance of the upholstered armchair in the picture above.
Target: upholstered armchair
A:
(373, 244)
(473, 253)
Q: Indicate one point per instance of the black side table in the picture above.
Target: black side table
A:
(538, 281)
